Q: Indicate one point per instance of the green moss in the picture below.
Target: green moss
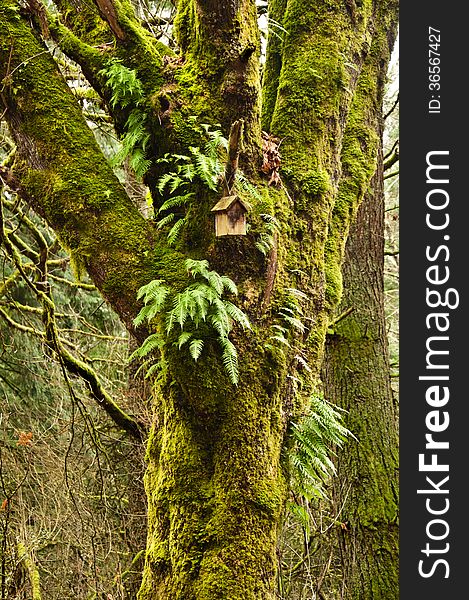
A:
(217, 488)
(358, 159)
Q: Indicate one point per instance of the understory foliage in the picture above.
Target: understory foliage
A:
(72, 506)
(315, 437)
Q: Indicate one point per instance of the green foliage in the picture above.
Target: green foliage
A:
(205, 166)
(200, 308)
(315, 436)
(124, 83)
(134, 143)
(290, 319)
(265, 241)
(127, 91)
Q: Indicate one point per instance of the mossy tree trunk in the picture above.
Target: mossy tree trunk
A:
(215, 481)
(357, 377)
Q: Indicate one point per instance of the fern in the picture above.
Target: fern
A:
(139, 163)
(183, 339)
(154, 295)
(242, 184)
(265, 242)
(207, 168)
(230, 359)
(124, 83)
(176, 231)
(165, 220)
(127, 90)
(195, 348)
(155, 341)
(314, 437)
(200, 306)
(291, 322)
(175, 202)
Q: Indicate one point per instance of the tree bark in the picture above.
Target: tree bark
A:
(357, 378)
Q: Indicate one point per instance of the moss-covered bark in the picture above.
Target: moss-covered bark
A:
(357, 378)
(220, 76)
(356, 366)
(65, 175)
(215, 485)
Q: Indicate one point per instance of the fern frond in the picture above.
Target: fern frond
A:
(139, 163)
(243, 183)
(215, 281)
(303, 362)
(176, 230)
(230, 359)
(202, 296)
(183, 339)
(156, 366)
(152, 290)
(237, 314)
(229, 285)
(165, 220)
(271, 221)
(279, 328)
(294, 322)
(297, 293)
(314, 437)
(187, 171)
(175, 202)
(280, 338)
(147, 313)
(206, 168)
(124, 83)
(164, 180)
(302, 515)
(180, 311)
(197, 267)
(265, 243)
(154, 294)
(195, 348)
(216, 141)
(175, 183)
(155, 341)
(220, 319)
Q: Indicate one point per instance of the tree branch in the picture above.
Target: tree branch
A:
(234, 149)
(392, 157)
(88, 209)
(108, 12)
(392, 109)
(51, 337)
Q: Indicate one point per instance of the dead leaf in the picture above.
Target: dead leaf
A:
(25, 438)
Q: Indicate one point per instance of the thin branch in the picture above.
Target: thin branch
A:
(342, 316)
(389, 175)
(393, 108)
(234, 150)
(391, 150)
(74, 284)
(51, 337)
(392, 158)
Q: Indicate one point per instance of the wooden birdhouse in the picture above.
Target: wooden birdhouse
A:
(230, 216)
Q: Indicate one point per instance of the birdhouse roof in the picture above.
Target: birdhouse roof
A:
(228, 201)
